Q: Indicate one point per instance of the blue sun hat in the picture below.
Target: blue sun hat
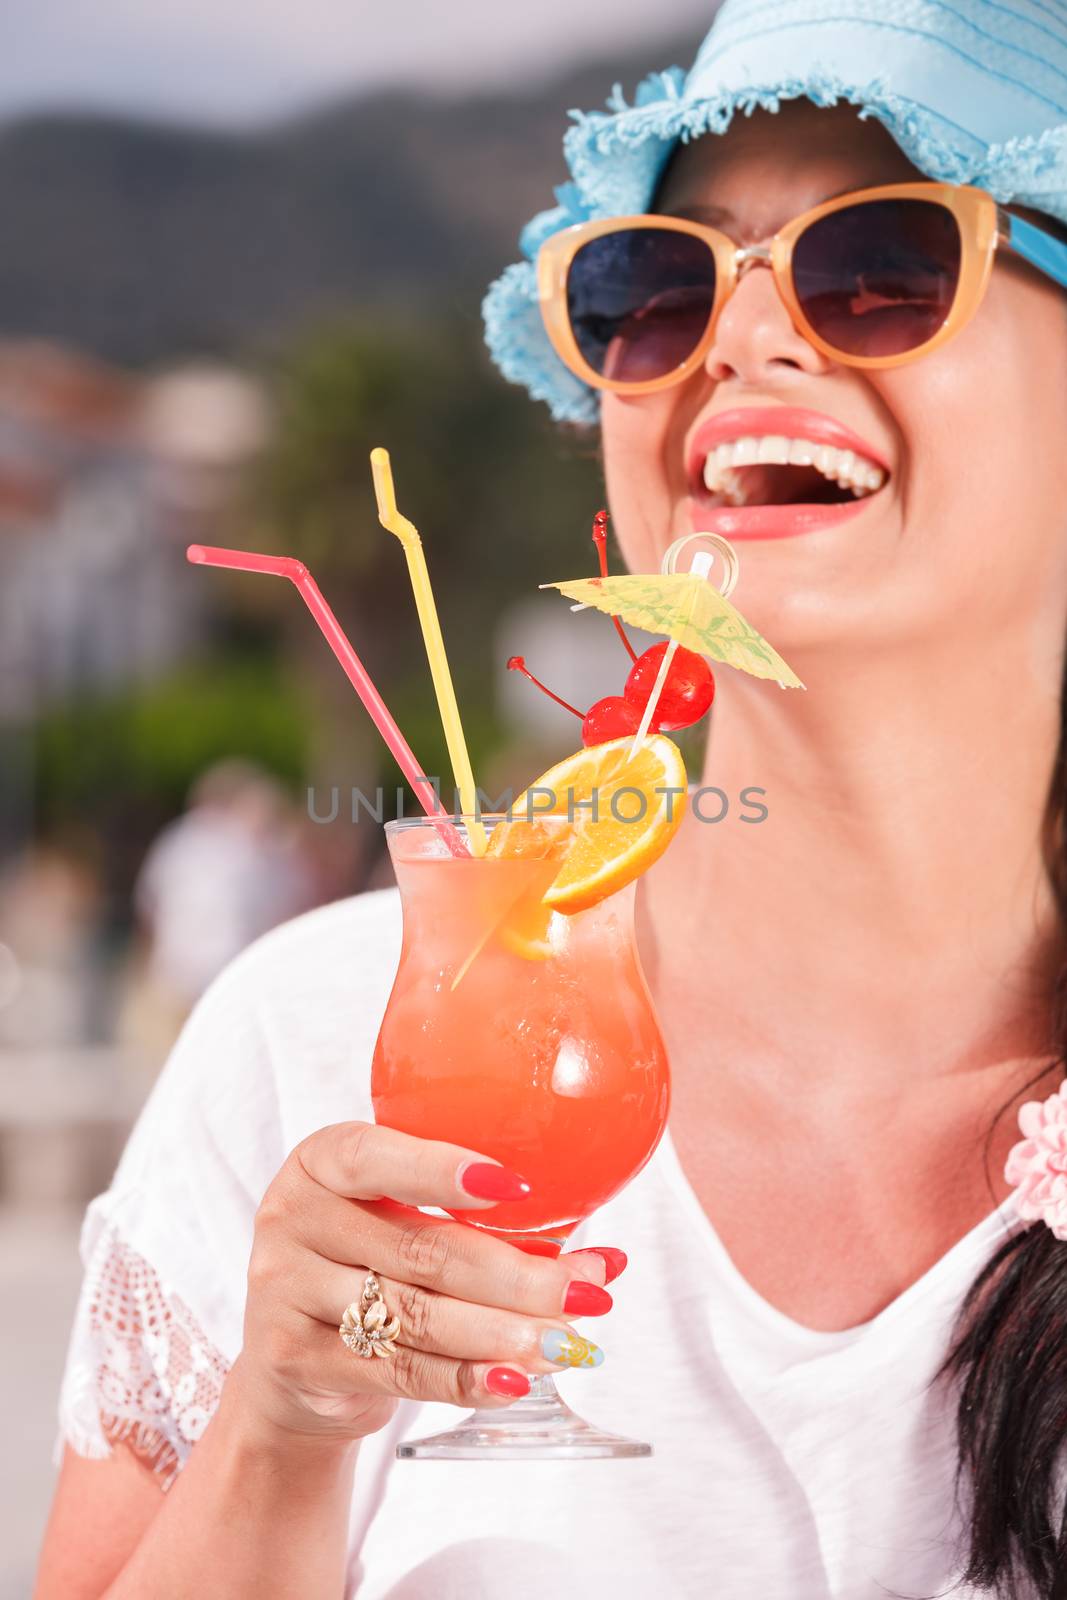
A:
(973, 92)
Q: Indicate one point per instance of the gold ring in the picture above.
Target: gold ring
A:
(366, 1327)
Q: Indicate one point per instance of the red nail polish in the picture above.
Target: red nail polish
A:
(535, 1247)
(614, 1260)
(586, 1299)
(501, 1380)
(486, 1181)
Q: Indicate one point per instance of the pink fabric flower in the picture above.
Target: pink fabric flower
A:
(1037, 1165)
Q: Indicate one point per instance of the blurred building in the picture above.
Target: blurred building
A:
(104, 478)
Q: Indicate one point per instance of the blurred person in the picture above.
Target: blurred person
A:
(51, 915)
(844, 1324)
(229, 868)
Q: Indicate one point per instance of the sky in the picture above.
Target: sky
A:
(239, 62)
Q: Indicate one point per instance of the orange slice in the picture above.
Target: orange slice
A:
(640, 801)
(526, 930)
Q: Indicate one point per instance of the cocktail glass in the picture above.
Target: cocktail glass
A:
(532, 1040)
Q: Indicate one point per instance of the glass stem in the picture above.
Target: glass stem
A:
(542, 1401)
(542, 1390)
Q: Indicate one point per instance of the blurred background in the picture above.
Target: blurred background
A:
(243, 245)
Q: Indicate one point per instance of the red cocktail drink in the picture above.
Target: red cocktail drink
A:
(529, 1039)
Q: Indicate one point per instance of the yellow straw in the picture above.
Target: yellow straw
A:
(408, 534)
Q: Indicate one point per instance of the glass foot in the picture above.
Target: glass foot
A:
(539, 1427)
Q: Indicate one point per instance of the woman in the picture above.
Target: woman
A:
(857, 995)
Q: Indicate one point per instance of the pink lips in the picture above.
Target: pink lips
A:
(778, 521)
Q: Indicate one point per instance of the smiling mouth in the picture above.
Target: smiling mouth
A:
(771, 470)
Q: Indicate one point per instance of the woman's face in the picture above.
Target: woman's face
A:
(971, 522)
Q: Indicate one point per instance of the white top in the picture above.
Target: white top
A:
(789, 1464)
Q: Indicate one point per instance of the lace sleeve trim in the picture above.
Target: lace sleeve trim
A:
(140, 1372)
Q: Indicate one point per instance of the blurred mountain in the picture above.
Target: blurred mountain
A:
(142, 241)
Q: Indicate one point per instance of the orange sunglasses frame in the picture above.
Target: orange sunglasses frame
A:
(982, 226)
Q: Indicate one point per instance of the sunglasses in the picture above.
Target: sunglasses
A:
(875, 278)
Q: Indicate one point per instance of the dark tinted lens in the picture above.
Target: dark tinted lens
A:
(878, 278)
(639, 300)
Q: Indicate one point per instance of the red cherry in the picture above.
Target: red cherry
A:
(687, 693)
(612, 718)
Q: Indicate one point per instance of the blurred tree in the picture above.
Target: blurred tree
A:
(124, 763)
(502, 498)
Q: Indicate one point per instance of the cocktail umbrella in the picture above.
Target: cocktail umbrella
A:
(689, 610)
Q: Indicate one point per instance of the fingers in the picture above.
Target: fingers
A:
(334, 1205)
(438, 1324)
(363, 1161)
(614, 1262)
(450, 1257)
(407, 1373)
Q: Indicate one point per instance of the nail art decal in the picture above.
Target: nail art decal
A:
(570, 1349)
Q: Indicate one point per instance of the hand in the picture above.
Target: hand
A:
(476, 1314)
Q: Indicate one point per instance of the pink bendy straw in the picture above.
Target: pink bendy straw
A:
(288, 567)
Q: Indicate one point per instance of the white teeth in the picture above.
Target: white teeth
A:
(841, 466)
(732, 491)
(774, 448)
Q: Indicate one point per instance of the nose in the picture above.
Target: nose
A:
(754, 336)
